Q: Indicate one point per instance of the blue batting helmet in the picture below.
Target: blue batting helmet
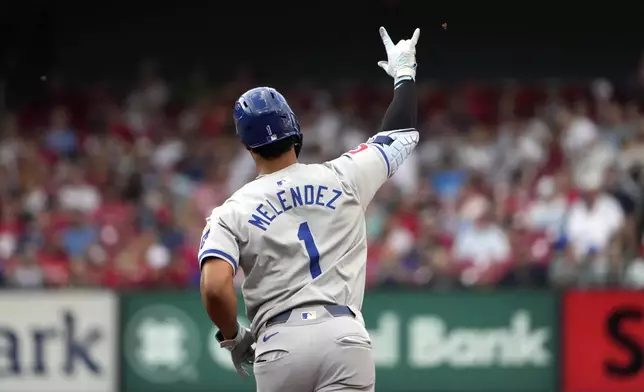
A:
(262, 116)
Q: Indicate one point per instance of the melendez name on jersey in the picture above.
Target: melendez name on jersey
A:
(293, 197)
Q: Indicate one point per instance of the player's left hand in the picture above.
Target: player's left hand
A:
(401, 58)
(241, 349)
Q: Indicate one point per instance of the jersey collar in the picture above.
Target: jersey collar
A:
(287, 168)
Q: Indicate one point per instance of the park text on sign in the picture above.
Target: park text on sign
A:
(603, 340)
(58, 342)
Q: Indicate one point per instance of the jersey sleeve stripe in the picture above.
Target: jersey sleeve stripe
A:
(385, 158)
(220, 254)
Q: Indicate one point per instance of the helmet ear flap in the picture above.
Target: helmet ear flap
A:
(297, 144)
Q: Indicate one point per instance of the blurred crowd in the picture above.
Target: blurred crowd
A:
(513, 184)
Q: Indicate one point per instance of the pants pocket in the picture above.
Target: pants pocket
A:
(270, 356)
(353, 367)
(354, 339)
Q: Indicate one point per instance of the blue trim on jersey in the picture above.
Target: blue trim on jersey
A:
(384, 156)
(220, 254)
(204, 238)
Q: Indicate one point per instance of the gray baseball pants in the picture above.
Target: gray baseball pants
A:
(314, 351)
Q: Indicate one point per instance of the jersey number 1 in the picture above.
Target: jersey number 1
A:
(304, 234)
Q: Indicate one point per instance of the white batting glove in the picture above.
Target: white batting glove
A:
(401, 58)
(241, 351)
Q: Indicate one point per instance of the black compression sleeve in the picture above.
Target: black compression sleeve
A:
(402, 112)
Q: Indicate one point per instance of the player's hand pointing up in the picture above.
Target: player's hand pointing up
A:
(401, 58)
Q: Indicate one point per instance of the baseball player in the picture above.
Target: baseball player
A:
(298, 233)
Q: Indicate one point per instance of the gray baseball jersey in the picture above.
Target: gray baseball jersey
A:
(299, 234)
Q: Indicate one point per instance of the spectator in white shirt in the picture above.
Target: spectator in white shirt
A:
(577, 132)
(478, 152)
(169, 151)
(77, 194)
(482, 244)
(594, 219)
(593, 232)
(547, 213)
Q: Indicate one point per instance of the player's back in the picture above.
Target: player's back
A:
(299, 233)
(303, 240)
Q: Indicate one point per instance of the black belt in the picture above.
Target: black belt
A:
(334, 310)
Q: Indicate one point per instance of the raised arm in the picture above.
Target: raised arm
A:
(398, 135)
(368, 166)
